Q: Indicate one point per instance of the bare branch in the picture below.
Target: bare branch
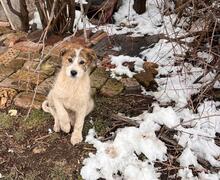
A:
(12, 9)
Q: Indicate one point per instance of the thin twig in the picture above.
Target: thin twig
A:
(194, 119)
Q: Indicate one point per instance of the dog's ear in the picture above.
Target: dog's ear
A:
(62, 52)
(90, 53)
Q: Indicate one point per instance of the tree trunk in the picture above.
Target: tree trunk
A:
(24, 15)
(139, 6)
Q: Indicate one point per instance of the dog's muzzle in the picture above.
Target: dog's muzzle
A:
(73, 73)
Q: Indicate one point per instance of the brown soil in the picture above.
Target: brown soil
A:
(28, 151)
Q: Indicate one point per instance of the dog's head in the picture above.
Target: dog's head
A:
(76, 61)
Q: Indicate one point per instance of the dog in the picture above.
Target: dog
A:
(70, 99)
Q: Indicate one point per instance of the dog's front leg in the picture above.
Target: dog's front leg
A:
(78, 127)
(63, 117)
(47, 108)
(56, 126)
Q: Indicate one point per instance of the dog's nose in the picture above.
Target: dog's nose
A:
(73, 73)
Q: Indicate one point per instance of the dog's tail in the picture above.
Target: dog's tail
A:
(46, 107)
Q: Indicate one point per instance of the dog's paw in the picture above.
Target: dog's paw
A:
(76, 139)
(66, 127)
(56, 128)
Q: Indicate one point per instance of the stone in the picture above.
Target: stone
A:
(5, 72)
(11, 38)
(24, 100)
(15, 64)
(28, 46)
(47, 68)
(98, 78)
(28, 76)
(5, 29)
(3, 49)
(18, 85)
(112, 88)
(46, 85)
(151, 67)
(55, 60)
(8, 56)
(52, 51)
(131, 85)
(146, 79)
(30, 55)
(23, 80)
(30, 65)
(6, 96)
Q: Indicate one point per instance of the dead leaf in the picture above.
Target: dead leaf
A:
(13, 112)
(6, 97)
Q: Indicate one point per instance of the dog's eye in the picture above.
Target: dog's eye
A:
(81, 62)
(70, 60)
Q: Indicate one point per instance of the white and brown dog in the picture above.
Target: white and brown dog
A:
(69, 101)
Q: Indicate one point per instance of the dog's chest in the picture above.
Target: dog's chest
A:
(72, 93)
(75, 97)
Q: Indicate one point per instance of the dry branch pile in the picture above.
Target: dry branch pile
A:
(202, 21)
(63, 14)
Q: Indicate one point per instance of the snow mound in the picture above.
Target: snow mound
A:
(195, 129)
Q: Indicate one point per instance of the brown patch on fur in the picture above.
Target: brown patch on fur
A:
(87, 54)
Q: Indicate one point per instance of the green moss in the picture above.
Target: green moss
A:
(6, 121)
(53, 137)
(58, 173)
(79, 178)
(100, 126)
(48, 68)
(87, 126)
(36, 119)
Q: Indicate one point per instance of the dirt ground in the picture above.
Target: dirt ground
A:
(29, 151)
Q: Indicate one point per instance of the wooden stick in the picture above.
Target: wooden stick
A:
(125, 119)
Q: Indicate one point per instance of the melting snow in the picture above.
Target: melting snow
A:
(118, 159)
(121, 69)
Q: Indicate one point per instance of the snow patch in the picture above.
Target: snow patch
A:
(112, 157)
(36, 19)
(78, 22)
(188, 158)
(121, 69)
(118, 158)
